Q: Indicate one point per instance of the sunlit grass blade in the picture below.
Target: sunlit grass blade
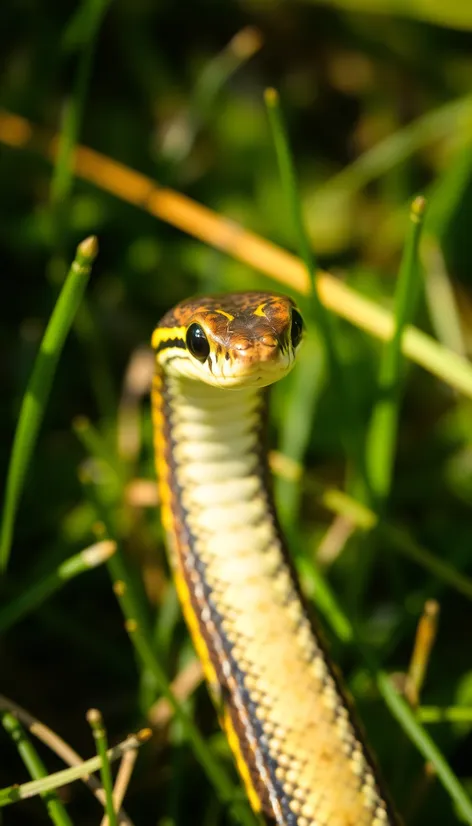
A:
(95, 720)
(449, 714)
(444, 201)
(324, 321)
(454, 15)
(62, 749)
(33, 595)
(39, 387)
(442, 303)
(447, 191)
(23, 791)
(123, 779)
(382, 433)
(36, 768)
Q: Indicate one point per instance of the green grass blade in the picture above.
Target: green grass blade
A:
(450, 714)
(444, 200)
(95, 721)
(89, 17)
(452, 369)
(81, 33)
(37, 393)
(402, 144)
(447, 192)
(382, 434)
(11, 794)
(219, 70)
(425, 745)
(315, 587)
(36, 593)
(296, 425)
(397, 538)
(98, 447)
(289, 184)
(455, 15)
(401, 541)
(210, 82)
(323, 320)
(96, 357)
(440, 297)
(36, 768)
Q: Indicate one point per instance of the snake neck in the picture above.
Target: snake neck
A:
(216, 463)
(217, 511)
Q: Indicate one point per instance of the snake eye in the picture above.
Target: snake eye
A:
(297, 328)
(197, 342)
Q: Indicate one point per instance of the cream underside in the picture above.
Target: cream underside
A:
(321, 764)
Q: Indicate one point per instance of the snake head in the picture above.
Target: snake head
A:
(233, 341)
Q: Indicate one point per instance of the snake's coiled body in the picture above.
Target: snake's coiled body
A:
(300, 755)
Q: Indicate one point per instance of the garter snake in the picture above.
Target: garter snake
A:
(301, 755)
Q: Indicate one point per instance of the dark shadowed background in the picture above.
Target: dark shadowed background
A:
(176, 92)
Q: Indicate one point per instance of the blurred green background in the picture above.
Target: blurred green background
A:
(376, 100)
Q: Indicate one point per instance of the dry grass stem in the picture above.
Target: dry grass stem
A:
(61, 748)
(424, 641)
(182, 687)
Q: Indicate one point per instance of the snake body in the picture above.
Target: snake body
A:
(299, 752)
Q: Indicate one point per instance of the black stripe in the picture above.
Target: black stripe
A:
(170, 342)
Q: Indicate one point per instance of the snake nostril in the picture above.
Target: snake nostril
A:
(269, 340)
(242, 344)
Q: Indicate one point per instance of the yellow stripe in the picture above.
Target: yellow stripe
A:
(226, 315)
(243, 768)
(199, 643)
(260, 310)
(168, 521)
(161, 334)
(212, 680)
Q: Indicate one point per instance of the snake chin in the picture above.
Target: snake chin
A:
(253, 376)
